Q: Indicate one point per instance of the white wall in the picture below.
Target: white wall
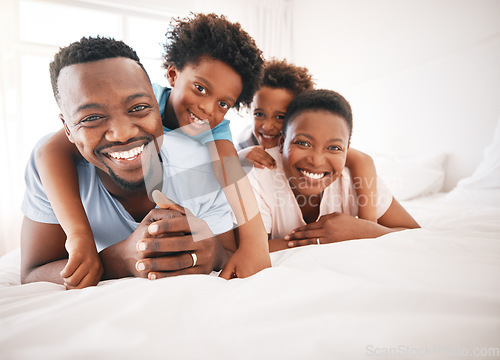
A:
(422, 76)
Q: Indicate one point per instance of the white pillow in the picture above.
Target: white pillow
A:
(409, 178)
(483, 186)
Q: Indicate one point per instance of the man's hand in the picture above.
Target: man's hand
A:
(258, 156)
(84, 267)
(246, 262)
(335, 227)
(177, 243)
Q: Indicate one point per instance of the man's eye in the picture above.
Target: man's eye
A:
(200, 89)
(139, 108)
(224, 105)
(91, 118)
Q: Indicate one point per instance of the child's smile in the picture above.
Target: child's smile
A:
(202, 93)
(314, 151)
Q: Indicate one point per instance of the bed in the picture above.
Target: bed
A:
(430, 293)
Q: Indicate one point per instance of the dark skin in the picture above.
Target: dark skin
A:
(108, 107)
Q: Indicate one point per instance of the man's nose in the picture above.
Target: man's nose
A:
(121, 129)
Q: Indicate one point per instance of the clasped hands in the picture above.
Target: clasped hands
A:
(171, 241)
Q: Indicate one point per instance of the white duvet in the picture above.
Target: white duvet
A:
(430, 293)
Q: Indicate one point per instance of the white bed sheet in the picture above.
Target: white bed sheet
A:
(430, 293)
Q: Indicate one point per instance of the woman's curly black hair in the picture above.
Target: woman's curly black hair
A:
(86, 50)
(280, 74)
(197, 35)
(319, 100)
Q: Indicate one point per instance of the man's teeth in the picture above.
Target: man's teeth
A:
(312, 175)
(197, 120)
(127, 155)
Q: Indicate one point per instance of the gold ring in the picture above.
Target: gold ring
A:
(317, 241)
(195, 258)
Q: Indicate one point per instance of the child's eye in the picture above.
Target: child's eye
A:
(280, 117)
(224, 105)
(258, 114)
(201, 89)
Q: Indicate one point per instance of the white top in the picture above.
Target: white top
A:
(279, 208)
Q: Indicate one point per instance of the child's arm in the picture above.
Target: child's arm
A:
(56, 165)
(253, 249)
(258, 156)
(364, 176)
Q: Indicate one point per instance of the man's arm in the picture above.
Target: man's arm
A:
(43, 255)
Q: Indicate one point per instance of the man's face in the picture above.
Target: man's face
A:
(314, 151)
(269, 110)
(110, 113)
(202, 93)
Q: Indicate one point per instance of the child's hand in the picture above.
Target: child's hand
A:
(84, 267)
(258, 156)
(246, 262)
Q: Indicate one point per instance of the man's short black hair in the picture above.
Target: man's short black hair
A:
(319, 100)
(212, 35)
(89, 49)
(279, 74)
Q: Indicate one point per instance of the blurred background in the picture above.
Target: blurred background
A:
(422, 76)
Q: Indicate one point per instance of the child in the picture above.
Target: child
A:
(281, 83)
(310, 197)
(211, 65)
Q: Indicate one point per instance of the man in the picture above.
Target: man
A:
(110, 114)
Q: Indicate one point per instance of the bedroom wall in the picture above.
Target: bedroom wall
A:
(422, 76)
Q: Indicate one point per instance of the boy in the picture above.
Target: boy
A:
(110, 114)
(211, 65)
(310, 197)
(283, 81)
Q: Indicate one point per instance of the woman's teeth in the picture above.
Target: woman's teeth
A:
(127, 155)
(197, 120)
(312, 175)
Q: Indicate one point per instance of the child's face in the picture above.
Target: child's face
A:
(269, 110)
(314, 151)
(202, 94)
(110, 113)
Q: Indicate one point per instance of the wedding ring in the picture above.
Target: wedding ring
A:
(195, 258)
(317, 241)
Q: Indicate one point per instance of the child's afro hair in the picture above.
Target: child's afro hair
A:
(198, 35)
(280, 74)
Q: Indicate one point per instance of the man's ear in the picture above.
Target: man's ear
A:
(66, 129)
(172, 74)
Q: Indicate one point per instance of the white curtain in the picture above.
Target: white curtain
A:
(269, 22)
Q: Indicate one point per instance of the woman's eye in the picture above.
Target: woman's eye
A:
(302, 143)
(224, 105)
(334, 148)
(201, 89)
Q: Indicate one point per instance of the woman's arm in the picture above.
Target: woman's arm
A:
(364, 177)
